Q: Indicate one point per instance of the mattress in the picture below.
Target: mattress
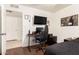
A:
(65, 48)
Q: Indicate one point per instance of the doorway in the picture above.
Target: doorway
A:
(13, 29)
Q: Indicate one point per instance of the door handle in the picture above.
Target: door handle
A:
(2, 33)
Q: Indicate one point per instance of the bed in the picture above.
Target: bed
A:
(65, 48)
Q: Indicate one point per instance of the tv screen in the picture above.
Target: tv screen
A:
(39, 20)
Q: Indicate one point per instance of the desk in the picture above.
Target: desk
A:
(29, 47)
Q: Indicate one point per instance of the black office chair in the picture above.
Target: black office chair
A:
(42, 38)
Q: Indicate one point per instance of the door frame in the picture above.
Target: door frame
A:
(4, 38)
(21, 24)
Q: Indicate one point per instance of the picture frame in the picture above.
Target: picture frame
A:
(70, 20)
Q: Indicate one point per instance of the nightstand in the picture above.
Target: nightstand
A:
(51, 39)
(68, 39)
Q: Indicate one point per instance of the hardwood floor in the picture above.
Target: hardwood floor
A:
(10, 44)
(23, 51)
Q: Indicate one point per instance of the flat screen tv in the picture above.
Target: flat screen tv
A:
(39, 20)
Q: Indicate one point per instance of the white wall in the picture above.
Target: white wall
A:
(26, 26)
(67, 31)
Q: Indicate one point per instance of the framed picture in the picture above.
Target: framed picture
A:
(70, 21)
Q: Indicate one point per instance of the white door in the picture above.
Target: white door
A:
(0, 32)
(3, 30)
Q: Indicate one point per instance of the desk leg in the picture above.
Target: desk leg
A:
(29, 48)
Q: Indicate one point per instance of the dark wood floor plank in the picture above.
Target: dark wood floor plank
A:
(23, 51)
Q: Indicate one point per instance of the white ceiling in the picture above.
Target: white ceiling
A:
(48, 7)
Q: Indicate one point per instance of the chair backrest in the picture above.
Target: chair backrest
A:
(39, 29)
(44, 34)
